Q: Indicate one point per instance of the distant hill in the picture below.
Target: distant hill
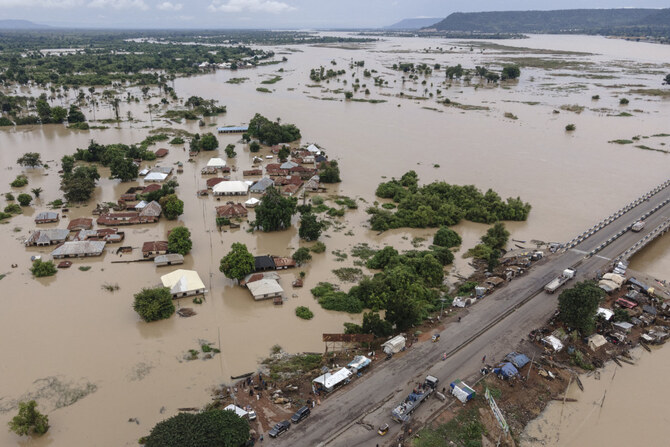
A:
(559, 21)
(418, 23)
(20, 25)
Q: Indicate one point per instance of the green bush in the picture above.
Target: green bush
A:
(154, 304)
(304, 313)
(4, 216)
(13, 208)
(446, 237)
(570, 127)
(208, 428)
(41, 268)
(29, 421)
(177, 140)
(24, 199)
(318, 247)
(19, 181)
(342, 302)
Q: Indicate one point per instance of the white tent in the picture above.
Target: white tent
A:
(606, 313)
(313, 149)
(231, 188)
(216, 163)
(554, 342)
(330, 380)
(252, 202)
(596, 341)
(238, 411)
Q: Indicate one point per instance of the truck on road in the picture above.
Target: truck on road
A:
(555, 283)
(403, 412)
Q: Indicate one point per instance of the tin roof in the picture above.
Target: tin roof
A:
(80, 248)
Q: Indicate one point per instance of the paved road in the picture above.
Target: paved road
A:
(493, 327)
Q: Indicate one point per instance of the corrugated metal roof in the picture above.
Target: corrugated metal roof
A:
(182, 281)
(79, 248)
(231, 187)
(264, 287)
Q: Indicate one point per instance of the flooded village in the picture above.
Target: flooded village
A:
(74, 343)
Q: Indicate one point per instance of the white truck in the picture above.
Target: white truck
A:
(394, 345)
(555, 283)
(638, 226)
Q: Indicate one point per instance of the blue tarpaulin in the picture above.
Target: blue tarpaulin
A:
(507, 370)
(518, 360)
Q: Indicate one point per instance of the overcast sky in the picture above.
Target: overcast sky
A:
(270, 13)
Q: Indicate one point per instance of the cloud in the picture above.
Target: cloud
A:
(271, 6)
(119, 4)
(41, 3)
(169, 6)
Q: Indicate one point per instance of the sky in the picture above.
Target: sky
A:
(274, 14)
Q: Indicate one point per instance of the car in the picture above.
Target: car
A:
(301, 414)
(280, 428)
(383, 430)
(251, 414)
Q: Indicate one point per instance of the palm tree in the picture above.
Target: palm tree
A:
(37, 192)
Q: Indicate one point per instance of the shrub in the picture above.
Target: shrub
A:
(304, 313)
(24, 199)
(154, 304)
(319, 247)
(570, 127)
(13, 208)
(9, 196)
(177, 140)
(623, 101)
(208, 428)
(302, 255)
(29, 421)
(342, 302)
(41, 268)
(446, 237)
(19, 181)
(254, 146)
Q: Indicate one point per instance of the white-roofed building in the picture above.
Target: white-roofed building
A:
(183, 283)
(252, 202)
(265, 288)
(313, 149)
(231, 188)
(216, 163)
(155, 177)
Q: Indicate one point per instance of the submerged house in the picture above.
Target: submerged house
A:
(231, 210)
(264, 263)
(265, 288)
(260, 186)
(47, 237)
(80, 223)
(46, 217)
(79, 249)
(168, 259)
(183, 283)
(152, 249)
(231, 188)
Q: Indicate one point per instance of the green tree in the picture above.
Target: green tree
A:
(80, 184)
(578, 306)
(58, 114)
(382, 258)
(30, 160)
(274, 212)
(154, 304)
(24, 199)
(210, 428)
(41, 268)
(173, 207)
(36, 192)
(310, 227)
(302, 255)
(29, 421)
(284, 153)
(510, 72)
(446, 237)
(667, 79)
(75, 115)
(230, 151)
(209, 142)
(254, 146)
(497, 236)
(67, 164)
(238, 263)
(43, 109)
(124, 169)
(179, 241)
(194, 144)
(329, 172)
(373, 324)
(272, 133)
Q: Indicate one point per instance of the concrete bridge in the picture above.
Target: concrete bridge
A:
(492, 327)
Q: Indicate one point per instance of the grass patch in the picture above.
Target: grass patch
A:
(647, 148)
(109, 287)
(85, 268)
(340, 256)
(449, 103)
(346, 201)
(363, 251)
(349, 274)
(273, 80)
(465, 429)
(663, 93)
(621, 141)
(318, 247)
(661, 135)
(371, 101)
(304, 313)
(263, 90)
(236, 80)
(511, 116)
(575, 108)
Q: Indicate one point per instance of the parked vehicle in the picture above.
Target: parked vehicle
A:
(555, 283)
(403, 412)
(251, 414)
(280, 428)
(301, 414)
(383, 430)
(638, 226)
(436, 337)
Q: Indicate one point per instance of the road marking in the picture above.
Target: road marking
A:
(581, 252)
(603, 257)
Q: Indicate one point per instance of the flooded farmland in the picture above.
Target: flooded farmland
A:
(89, 360)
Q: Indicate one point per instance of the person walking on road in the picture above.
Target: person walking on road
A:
(484, 359)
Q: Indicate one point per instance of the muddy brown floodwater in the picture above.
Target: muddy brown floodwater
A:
(92, 364)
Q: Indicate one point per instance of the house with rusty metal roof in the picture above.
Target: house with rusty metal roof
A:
(151, 249)
(51, 236)
(80, 223)
(153, 209)
(231, 210)
(46, 217)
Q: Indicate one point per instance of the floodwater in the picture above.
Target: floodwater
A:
(70, 328)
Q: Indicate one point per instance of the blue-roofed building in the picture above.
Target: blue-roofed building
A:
(232, 129)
